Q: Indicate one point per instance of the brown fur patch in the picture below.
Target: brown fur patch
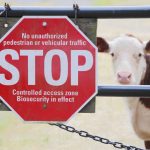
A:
(147, 48)
(145, 102)
(146, 81)
(147, 144)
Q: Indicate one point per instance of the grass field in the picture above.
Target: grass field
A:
(70, 2)
(111, 120)
(121, 2)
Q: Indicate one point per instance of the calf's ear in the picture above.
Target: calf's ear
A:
(102, 45)
(147, 47)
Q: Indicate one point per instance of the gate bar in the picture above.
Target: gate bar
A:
(84, 12)
(124, 91)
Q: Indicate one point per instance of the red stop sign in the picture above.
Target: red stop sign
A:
(47, 69)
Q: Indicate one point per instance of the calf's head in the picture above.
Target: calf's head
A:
(128, 56)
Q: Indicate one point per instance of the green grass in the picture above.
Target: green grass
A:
(106, 2)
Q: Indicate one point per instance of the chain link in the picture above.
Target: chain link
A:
(95, 138)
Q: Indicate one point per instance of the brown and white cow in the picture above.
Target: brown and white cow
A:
(131, 67)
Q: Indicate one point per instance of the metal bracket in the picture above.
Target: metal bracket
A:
(6, 9)
(76, 9)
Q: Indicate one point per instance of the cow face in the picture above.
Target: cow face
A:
(128, 58)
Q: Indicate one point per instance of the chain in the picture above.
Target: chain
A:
(85, 134)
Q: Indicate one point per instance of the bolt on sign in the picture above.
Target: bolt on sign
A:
(47, 69)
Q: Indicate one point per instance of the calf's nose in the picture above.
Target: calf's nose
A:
(124, 77)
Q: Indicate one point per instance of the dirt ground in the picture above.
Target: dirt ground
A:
(111, 119)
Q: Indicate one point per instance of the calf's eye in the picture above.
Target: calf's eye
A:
(140, 55)
(112, 54)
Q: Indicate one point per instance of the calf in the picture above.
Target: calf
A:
(132, 67)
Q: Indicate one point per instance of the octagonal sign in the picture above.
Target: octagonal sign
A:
(47, 69)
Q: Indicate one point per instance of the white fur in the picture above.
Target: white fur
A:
(126, 50)
(140, 118)
(126, 58)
